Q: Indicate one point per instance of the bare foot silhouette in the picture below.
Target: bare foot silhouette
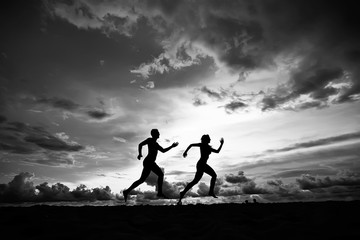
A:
(125, 194)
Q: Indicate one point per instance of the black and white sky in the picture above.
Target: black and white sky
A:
(83, 83)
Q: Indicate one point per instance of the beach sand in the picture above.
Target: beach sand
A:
(314, 220)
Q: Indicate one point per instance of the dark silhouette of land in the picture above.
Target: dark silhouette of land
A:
(149, 163)
(202, 166)
(312, 220)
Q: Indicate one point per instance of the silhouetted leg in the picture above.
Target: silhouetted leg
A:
(157, 170)
(145, 173)
(196, 179)
(213, 175)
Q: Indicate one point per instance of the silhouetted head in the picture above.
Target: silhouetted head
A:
(155, 133)
(205, 138)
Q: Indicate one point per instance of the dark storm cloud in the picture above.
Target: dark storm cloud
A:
(239, 178)
(60, 103)
(14, 147)
(98, 114)
(278, 191)
(308, 181)
(314, 81)
(235, 100)
(234, 39)
(244, 185)
(52, 143)
(242, 36)
(22, 189)
(330, 31)
(211, 93)
(71, 106)
(234, 105)
(51, 159)
(252, 188)
(313, 104)
(46, 54)
(220, 94)
(311, 80)
(20, 138)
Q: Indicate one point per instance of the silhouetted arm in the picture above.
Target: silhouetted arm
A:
(221, 144)
(140, 148)
(168, 148)
(190, 146)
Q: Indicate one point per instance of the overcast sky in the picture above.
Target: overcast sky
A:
(83, 83)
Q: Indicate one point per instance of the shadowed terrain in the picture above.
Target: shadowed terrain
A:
(314, 220)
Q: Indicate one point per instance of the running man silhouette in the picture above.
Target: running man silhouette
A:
(201, 166)
(149, 163)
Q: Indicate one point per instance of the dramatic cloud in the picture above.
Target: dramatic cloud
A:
(21, 189)
(252, 188)
(306, 188)
(36, 145)
(320, 43)
(236, 101)
(98, 114)
(312, 81)
(18, 137)
(70, 107)
(234, 105)
(310, 182)
(213, 94)
(60, 103)
(243, 185)
(236, 179)
(52, 143)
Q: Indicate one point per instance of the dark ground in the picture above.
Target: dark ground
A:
(316, 220)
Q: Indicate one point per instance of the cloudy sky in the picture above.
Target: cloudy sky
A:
(83, 83)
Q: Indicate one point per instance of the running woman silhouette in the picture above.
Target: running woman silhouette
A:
(201, 166)
(149, 163)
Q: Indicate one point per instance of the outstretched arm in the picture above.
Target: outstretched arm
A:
(190, 146)
(168, 148)
(140, 148)
(221, 144)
